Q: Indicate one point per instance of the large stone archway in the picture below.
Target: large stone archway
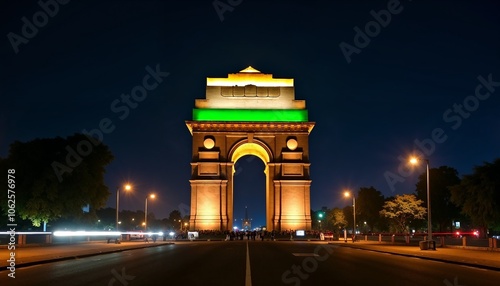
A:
(250, 113)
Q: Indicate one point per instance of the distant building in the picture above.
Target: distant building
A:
(247, 223)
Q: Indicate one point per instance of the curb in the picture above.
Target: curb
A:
(70, 257)
(482, 248)
(481, 266)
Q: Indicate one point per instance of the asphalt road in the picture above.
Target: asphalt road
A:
(270, 263)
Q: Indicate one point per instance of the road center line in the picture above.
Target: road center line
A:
(248, 277)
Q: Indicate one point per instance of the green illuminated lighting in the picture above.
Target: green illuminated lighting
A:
(262, 115)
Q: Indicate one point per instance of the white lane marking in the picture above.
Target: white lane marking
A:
(304, 254)
(248, 277)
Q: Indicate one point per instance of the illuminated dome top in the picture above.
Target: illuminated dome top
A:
(249, 96)
(250, 69)
(250, 76)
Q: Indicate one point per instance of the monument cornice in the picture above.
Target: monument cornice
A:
(222, 126)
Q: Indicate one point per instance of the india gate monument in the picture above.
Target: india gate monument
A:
(250, 113)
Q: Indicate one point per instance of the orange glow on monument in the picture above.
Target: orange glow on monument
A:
(250, 113)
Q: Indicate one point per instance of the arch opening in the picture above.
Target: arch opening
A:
(249, 193)
(261, 151)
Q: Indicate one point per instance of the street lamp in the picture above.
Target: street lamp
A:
(348, 194)
(146, 212)
(320, 215)
(127, 188)
(414, 161)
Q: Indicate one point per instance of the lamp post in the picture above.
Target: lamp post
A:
(348, 194)
(414, 161)
(127, 188)
(146, 212)
(320, 215)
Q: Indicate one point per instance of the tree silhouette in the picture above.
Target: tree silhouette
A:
(175, 215)
(57, 177)
(368, 205)
(444, 212)
(175, 219)
(347, 211)
(478, 194)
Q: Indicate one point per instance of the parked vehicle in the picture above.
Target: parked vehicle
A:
(136, 235)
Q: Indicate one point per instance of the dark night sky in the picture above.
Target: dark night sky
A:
(367, 112)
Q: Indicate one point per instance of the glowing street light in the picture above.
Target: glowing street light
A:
(348, 194)
(414, 161)
(146, 211)
(127, 187)
(320, 216)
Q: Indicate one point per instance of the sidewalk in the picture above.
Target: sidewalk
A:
(31, 255)
(475, 258)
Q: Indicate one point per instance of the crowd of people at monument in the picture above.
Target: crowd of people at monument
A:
(242, 234)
